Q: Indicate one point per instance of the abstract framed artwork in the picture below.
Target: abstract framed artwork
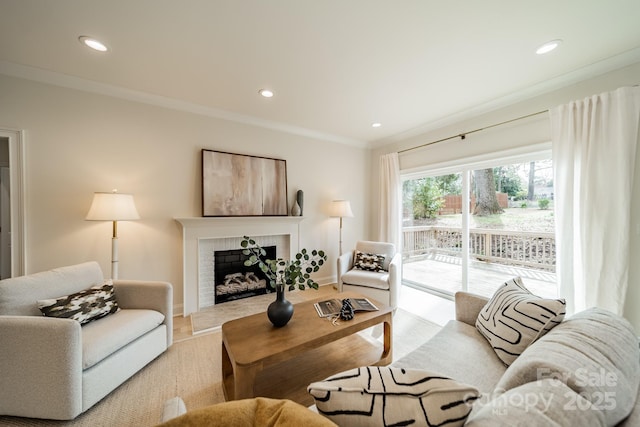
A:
(243, 185)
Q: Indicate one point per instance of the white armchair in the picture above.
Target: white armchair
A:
(56, 368)
(383, 286)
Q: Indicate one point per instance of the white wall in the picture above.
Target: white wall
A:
(77, 143)
(512, 137)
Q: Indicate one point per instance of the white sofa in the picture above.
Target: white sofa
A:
(585, 371)
(55, 368)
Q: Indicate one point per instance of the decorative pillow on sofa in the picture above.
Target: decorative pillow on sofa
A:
(369, 262)
(383, 396)
(84, 306)
(514, 318)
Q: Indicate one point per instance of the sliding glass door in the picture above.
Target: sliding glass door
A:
(477, 227)
(432, 237)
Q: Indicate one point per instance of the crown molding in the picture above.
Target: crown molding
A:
(77, 83)
(589, 71)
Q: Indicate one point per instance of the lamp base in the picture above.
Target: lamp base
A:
(340, 246)
(114, 258)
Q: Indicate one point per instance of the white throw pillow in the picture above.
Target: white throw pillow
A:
(514, 318)
(384, 396)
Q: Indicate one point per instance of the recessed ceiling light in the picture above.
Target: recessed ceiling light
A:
(548, 47)
(376, 125)
(93, 43)
(266, 93)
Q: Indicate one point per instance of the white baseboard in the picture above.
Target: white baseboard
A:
(328, 280)
(178, 310)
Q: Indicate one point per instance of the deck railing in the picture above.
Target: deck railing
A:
(522, 248)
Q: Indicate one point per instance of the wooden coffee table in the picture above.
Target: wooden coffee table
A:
(261, 360)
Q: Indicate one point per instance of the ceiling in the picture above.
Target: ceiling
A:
(336, 66)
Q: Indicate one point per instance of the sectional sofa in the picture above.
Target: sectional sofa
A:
(584, 371)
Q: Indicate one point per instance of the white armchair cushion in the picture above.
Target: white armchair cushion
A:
(111, 333)
(370, 279)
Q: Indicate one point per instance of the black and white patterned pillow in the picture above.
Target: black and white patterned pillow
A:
(84, 306)
(514, 318)
(386, 396)
(369, 262)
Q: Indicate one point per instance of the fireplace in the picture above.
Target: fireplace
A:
(203, 236)
(234, 280)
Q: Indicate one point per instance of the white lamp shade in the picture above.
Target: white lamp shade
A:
(340, 208)
(112, 207)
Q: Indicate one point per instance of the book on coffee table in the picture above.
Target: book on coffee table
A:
(331, 307)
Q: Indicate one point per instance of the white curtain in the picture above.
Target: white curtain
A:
(594, 153)
(390, 212)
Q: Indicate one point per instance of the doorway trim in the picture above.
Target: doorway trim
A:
(17, 198)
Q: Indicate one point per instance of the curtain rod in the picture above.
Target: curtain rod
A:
(464, 134)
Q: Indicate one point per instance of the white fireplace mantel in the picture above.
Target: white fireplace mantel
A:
(195, 229)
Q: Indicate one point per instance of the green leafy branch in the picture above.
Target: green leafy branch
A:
(289, 273)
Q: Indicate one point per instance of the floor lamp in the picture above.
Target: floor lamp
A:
(114, 207)
(341, 209)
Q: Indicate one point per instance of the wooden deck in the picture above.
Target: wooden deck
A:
(444, 274)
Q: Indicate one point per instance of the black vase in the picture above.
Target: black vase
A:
(281, 310)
